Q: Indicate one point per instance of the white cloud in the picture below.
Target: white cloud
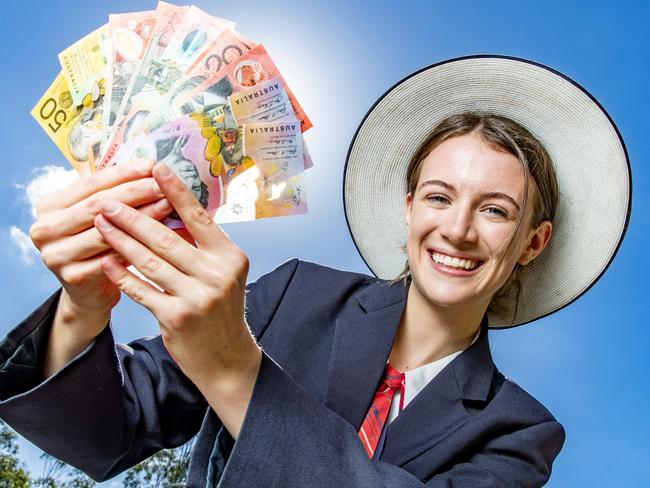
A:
(24, 244)
(48, 179)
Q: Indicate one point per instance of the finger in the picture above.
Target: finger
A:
(87, 272)
(161, 240)
(151, 265)
(139, 290)
(80, 216)
(90, 242)
(198, 221)
(93, 183)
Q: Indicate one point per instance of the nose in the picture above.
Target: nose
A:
(458, 226)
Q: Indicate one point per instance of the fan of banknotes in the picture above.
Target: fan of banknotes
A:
(184, 88)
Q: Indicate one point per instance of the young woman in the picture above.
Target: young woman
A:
(317, 377)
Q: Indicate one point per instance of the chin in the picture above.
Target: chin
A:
(442, 294)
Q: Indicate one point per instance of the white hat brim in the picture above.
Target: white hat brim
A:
(587, 150)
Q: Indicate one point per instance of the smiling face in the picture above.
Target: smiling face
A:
(463, 212)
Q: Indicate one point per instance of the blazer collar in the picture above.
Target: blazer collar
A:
(362, 344)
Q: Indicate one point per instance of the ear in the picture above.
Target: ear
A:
(407, 208)
(537, 242)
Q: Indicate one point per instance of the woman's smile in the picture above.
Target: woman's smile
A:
(454, 265)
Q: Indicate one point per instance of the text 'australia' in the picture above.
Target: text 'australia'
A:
(274, 128)
(257, 94)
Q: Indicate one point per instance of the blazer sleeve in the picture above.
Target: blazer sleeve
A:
(113, 405)
(290, 439)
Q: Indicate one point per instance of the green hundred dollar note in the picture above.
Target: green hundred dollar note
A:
(76, 131)
(84, 64)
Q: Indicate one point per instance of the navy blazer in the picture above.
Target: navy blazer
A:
(326, 336)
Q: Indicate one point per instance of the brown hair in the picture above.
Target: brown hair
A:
(505, 135)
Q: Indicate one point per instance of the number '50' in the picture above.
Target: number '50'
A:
(48, 109)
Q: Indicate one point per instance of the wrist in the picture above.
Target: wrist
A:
(73, 306)
(236, 369)
(71, 315)
(229, 389)
(73, 330)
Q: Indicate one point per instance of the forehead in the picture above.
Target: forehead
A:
(469, 163)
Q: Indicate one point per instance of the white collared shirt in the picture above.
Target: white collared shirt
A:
(416, 379)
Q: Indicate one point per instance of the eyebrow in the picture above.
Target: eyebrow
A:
(491, 194)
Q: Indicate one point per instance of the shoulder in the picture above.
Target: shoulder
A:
(516, 408)
(300, 273)
(296, 282)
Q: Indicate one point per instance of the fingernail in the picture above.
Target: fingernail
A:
(162, 205)
(103, 223)
(111, 207)
(144, 165)
(155, 187)
(163, 171)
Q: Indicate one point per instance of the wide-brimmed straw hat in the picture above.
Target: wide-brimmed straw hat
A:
(587, 150)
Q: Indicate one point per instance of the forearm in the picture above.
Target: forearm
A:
(229, 387)
(73, 329)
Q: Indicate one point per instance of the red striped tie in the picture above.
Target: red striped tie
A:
(370, 430)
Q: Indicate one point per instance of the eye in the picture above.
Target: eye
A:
(497, 212)
(437, 199)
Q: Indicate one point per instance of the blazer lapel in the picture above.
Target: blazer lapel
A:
(438, 410)
(362, 344)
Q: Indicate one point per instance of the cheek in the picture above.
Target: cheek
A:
(422, 222)
(417, 232)
(495, 236)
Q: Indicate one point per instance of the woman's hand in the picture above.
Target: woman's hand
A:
(69, 244)
(201, 311)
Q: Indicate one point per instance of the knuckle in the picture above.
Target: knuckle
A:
(131, 217)
(38, 232)
(180, 316)
(71, 277)
(206, 297)
(93, 204)
(151, 265)
(90, 183)
(201, 216)
(50, 258)
(136, 291)
(213, 277)
(243, 264)
(168, 240)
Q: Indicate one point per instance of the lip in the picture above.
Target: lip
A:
(441, 268)
(453, 254)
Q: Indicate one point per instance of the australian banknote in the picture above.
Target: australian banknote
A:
(186, 34)
(76, 130)
(227, 182)
(84, 65)
(130, 35)
(148, 112)
(186, 89)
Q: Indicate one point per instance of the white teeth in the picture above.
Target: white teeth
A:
(454, 262)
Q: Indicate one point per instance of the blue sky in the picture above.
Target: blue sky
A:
(586, 363)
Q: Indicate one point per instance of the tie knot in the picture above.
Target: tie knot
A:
(393, 378)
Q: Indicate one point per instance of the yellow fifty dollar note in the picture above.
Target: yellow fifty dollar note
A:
(76, 131)
(84, 63)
